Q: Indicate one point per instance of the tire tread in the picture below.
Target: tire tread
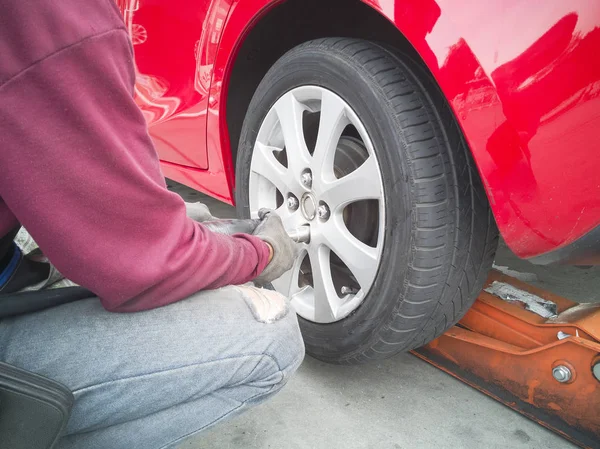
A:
(442, 176)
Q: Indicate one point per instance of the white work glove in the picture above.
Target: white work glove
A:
(199, 212)
(285, 251)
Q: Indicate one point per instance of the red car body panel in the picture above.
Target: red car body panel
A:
(523, 79)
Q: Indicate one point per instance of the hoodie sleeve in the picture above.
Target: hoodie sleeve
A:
(80, 172)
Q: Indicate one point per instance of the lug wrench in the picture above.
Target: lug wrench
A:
(301, 234)
(298, 235)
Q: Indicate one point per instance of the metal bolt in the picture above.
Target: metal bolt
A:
(306, 179)
(323, 212)
(348, 290)
(596, 371)
(562, 374)
(292, 202)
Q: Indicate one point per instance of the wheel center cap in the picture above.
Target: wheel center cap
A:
(309, 206)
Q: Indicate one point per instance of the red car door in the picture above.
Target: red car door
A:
(175, 43)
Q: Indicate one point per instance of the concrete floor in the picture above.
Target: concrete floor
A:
(399, 403)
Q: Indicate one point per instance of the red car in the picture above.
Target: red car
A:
(402, 133)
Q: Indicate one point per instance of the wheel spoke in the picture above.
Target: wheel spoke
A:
(288, 283)
(284, 213)
(290, 112)
(362, 184)
(324, 291)
(332, 123)
(291, 219)
(265, 164)
(360, 258)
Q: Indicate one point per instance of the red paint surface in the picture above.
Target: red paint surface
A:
(175, 44)
(522, 77)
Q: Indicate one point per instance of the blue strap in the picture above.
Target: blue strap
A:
(6, 274)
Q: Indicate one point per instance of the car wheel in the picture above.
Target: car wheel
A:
(345, 137)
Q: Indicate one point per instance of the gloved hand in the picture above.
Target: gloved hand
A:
(198, 212)
(285, 251)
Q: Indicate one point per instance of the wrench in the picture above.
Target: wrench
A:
(230, 227)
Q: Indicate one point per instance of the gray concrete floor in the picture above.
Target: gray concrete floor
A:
(398, 403)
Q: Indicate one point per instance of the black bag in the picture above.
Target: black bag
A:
(34, 410)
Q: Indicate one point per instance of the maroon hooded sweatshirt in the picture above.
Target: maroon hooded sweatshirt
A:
(79, 171)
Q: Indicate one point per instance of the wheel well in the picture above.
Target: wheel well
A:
(292, 23)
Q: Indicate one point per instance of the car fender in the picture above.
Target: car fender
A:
(504, 97)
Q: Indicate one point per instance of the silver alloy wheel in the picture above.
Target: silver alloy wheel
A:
(336, 269)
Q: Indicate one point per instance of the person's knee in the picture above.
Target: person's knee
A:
(280, 336)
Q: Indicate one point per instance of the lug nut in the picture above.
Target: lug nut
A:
(292, 202)
(562, 374)
(306, 179)
(323, 212)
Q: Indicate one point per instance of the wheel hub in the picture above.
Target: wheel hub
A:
(309, 206)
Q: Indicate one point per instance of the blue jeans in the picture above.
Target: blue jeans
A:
(151, 379)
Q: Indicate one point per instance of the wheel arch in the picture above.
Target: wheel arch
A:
(257, 33)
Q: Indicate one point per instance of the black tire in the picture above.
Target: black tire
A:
(440, 236)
